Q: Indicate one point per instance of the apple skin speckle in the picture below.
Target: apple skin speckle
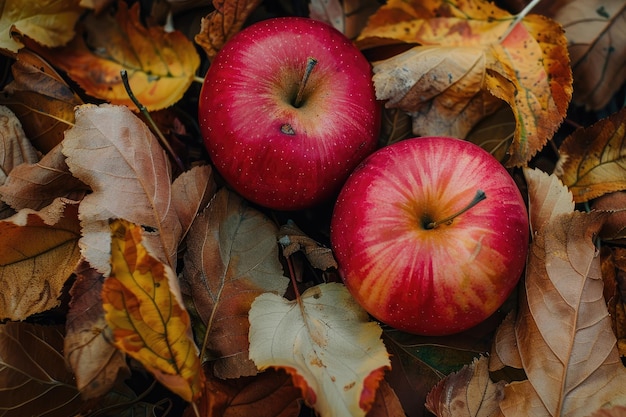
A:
(249, 93)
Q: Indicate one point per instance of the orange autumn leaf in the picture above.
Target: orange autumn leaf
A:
(144, 316)
(526, 67)
(160, 65)
(222, 23)
(592, 159)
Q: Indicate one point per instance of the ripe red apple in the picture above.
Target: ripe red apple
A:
(430, 235)
(287, 110)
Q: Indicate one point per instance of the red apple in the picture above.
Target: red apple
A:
(287, 110)
(419, 246)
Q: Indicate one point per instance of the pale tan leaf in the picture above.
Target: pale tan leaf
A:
(466, 393)
(38, 253)
(95, 362)
(326, 341)
(563, 330)
(548, 198)
(15, 148)
(231, 258)
(114, 152)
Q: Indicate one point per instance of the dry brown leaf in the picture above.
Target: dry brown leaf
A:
(548, 197)
(160, 65)
(232, 256)
(191, 192)
(617, 304)
(591, 160)
(36, 185)
(41, 99)
(494, 133)
(38, 253)
(113, 151)
(387, 403)
(597, 47)
(50, 23)
(617, 411)
(504, 350)
(563, 329)
(615, 227)
(269, 394)
(222, 23)
(97, 365)
(293, 240)
(466, 393)
(527, 69)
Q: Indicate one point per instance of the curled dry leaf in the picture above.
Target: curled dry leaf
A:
(41, 99)
(526, 67)
(467, 393)
(615, 227)
(325, 340)
(231, 258)
(96, 363)
(144, 315)
(36, 185)
(38, 253)
(113, 151)
(591, 160)
(222, 23)
(597, 47)
(504, 351)
(50, 23)
(548, 197)
(293, 240)
(160, 65)
(347, 16)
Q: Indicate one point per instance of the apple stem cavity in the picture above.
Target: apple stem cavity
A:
(478, 197)
(310, 64)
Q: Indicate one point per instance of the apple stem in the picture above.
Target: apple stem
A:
(478, 197)
(310, 64)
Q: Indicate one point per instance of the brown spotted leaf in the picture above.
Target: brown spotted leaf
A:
(593, 159)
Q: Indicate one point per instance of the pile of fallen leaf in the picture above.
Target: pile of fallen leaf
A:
(135, 283)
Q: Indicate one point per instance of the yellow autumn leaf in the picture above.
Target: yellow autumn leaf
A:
(526, 66)
(144, 315)
(591, 160)
(160, 65)
(326, 342)
(47, 22)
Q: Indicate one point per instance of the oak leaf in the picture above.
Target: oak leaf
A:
(160, 65)
(41, 99)
(526, 66)
(50, 23)
(144, 316)
(563, 332)
(231, 258)
(325, 340)
(591, 160)
(467, 393)
(223, 23)
(97, 365)
(38, 253)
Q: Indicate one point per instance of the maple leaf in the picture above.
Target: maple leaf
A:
(144, 315)
(160, 65)
(525, 66)
(231, 258)
(326, 342)
(222, 23)
(50, 23)
(38, 253)
(591, 160)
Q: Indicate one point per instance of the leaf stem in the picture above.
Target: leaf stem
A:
(518, 18)
(155, 128)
